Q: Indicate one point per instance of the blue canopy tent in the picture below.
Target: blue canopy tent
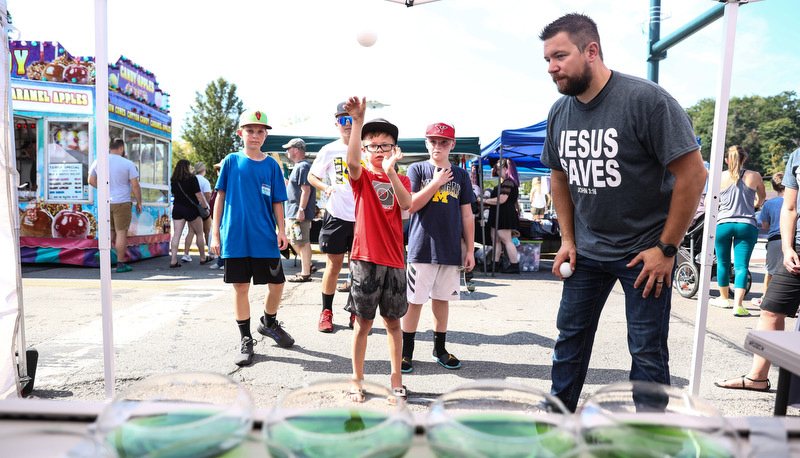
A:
(523, 145)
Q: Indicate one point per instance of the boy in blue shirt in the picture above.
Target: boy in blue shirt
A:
(249, 207)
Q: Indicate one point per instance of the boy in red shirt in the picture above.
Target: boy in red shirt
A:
(377, 266)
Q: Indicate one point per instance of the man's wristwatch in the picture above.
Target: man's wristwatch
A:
(668, 249)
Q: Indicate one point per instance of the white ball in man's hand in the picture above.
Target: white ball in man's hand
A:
(566, 270)
(367, 38)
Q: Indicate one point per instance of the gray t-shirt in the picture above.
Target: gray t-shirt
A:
(299, 177)
(614, 151)
(791, 178)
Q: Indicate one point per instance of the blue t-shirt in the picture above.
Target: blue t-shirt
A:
(435, 231)
(771, 213)
(790, 180)
(248, 222)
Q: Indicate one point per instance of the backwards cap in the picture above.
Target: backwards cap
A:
(254, 117)
(379, 125)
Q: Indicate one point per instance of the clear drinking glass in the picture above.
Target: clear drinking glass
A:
(318, 420)
(46, 443)
(185, 414)
(495, 418)
(658, 418)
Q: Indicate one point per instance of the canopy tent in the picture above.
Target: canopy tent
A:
(523, 145)
(414, 149)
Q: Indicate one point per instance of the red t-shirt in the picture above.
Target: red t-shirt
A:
(378, 234)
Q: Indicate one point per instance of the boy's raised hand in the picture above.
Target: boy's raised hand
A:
(356, 108)
(390, 161)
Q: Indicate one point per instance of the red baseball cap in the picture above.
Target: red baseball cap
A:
(441, 129)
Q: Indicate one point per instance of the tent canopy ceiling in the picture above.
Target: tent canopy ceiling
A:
(414, 149)
(523, 145)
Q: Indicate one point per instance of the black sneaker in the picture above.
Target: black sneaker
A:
(245, 355)
(405, 366)
(276, 332)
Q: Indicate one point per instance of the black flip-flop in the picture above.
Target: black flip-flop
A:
(172, 266)
(745, 387)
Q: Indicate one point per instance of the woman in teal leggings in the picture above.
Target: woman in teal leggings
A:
(742, 193)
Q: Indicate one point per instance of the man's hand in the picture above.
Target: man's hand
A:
(301, 215)
(389, 162)
(656, 273)
(138, 208)
(567, 253)
(283, 242)
(356, 108)
(791, 262)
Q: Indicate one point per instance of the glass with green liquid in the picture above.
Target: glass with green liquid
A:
(498, 419)
(318, 420)
(178, 415)
(659, 418)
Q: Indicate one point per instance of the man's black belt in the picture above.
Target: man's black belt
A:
(774, 237)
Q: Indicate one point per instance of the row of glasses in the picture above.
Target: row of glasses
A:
(204, 415)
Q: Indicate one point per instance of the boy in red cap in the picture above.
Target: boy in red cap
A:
(441, 219)
(377, 267)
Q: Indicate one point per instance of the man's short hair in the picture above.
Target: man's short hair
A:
(580, 28)
(116, 143)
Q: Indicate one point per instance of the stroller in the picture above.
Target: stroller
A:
(687, 275)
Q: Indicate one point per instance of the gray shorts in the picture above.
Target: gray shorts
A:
(373, 285)
(774, 256)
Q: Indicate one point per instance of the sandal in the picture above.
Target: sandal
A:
(344, 287)
(398, 392)
(313, 268)
(355, 392)
(206, 260)
(297, 278)
(744, 387)
(172, 266)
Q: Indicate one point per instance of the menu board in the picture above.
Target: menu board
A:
(65, 182)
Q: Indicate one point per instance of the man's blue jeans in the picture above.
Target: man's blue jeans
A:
(582, 300)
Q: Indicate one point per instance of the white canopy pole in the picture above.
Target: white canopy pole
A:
(103, 198)
(715, 177)
(10, 275)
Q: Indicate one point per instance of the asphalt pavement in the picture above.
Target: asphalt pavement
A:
(169, 320)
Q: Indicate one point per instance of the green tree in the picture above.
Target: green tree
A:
(182, 150)
(766, 127)
(211, 127)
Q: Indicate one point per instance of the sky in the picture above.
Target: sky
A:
(477, 64)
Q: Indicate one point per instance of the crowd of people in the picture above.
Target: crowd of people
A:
(621, 217)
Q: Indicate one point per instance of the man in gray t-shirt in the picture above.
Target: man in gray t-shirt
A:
(626, 179)
(301, 203)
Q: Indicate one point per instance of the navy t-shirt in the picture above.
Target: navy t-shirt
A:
(435, 231)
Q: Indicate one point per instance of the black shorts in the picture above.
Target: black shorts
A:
(336, 235)
(261, 270)
(373, 285)
(783, 294)
(180, 211)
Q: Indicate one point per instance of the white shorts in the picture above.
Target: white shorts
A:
(432, 281)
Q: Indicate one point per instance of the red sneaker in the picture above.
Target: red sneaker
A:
(352, 320)
(325, 321)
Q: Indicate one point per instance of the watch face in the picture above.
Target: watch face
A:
(668, 250)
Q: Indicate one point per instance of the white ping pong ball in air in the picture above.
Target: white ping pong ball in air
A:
(367, 38)
(566, 270)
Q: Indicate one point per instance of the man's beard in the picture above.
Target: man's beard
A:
(577, 85)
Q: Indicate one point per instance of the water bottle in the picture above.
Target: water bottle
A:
(296, 229)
